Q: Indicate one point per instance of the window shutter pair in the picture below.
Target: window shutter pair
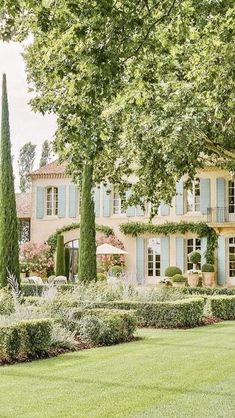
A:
(107, 204)
(204, 196)
(40, 202)
(141, 252)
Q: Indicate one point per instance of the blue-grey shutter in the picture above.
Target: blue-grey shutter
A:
(164, 209)
(220, 183)
(130, 209)
(97, 201)
(165, 254)
(221, 261)
(73, 201)
(180, 253)
(140, 260)
(61, 201)
(203, 250)
(40, 202)
(106, 201)
(179, 198)
(139, 211)
(205, 195)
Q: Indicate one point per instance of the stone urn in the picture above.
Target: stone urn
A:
(209, 279)
(193, 279)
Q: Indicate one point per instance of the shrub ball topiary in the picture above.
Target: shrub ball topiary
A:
(178, 278)
(208, 268)
(195, 257)
(172, 271)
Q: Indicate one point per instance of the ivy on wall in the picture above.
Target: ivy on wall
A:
(52, 240)
(200, 228)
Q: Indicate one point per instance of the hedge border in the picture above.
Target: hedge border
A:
(183, 313)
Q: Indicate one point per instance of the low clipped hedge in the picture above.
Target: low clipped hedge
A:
(29, 337)
(208, 291)
(107, 327)
(222, 307)
(31, 289)
(184, 313)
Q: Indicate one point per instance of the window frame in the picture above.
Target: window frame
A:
(195, 196)
(54, 201)
(231, 245)
(119, 201)
(194, 247)
(156, 262)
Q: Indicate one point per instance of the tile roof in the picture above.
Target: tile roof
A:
(52, 168)
(23, 205)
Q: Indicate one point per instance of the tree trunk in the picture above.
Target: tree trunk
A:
(87, 247)
(9, 247)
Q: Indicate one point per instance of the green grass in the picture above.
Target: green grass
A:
(170, 373)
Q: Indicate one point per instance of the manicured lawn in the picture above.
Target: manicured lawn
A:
(180, 373)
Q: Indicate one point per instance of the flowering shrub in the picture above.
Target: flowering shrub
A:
(105, 261)
(35, 256)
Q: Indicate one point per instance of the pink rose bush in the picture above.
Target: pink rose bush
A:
(106, 261)
(36, 256)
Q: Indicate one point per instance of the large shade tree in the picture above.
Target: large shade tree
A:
(147, 82)
(9, 249)
(77, 63)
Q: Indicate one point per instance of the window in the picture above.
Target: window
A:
(193, 197)
(193, 244)
(231, 196)
(52, 201)
(118, 203)
(154, 257)
(231, 256)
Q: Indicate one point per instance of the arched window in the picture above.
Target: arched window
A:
(52, 201)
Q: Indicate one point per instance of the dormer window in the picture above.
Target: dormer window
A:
(52, 201)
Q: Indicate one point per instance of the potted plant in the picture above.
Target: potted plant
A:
(208, 274)
(178, 280)
(194, 274)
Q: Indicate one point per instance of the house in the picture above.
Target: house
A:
(54, 203)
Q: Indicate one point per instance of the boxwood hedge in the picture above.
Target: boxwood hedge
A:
(222, 306)
(184, 313)
(29, 337)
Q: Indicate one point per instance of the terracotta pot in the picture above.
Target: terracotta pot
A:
(193, 279)
(209, 279)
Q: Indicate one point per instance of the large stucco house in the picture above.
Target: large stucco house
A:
(54, 203)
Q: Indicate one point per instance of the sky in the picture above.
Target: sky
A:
(25, 125)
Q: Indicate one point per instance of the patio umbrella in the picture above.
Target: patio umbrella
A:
(109, 249)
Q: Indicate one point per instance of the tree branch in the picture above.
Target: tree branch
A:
(159, 19)
(217, 148)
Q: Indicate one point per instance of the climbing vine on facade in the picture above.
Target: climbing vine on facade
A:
(52, 240)
(168, 228)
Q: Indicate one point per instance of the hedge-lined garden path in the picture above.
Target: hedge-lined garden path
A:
(169, 373)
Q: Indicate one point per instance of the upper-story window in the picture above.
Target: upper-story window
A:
(52, 201)
(118, 203)
(193, 197)
(231, 196)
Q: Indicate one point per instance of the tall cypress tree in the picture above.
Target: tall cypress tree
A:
(87, 270)
(9, 248)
